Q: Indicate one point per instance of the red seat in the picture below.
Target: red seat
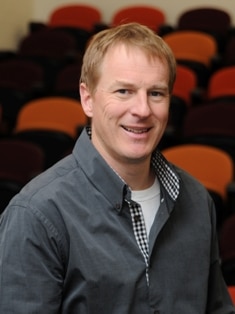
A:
(221, 84)
(75, 15)
(150, 16)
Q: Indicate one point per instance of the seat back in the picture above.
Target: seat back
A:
(150, 16)
(20, 161)
(192, 45)
(23, 75)
(53, 123)
(211, 124)
(210, 119)
(61, 114)
(226, 240)
(227, 252)
(231, 291)
(211, 166)
(78, 15)
(67, 80)
(221, 84)
(185, 83)
(207, 19)
(49, 43)
(229, 48)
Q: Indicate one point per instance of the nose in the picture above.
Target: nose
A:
(140, 106)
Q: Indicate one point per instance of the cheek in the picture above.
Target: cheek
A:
(162, 112)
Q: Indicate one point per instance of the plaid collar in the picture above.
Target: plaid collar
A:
(166, 175)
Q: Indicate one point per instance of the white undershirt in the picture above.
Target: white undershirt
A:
(149, 200)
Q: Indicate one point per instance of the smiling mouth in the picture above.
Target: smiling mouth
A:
(136, 131)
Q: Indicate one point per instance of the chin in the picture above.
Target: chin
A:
(137, 157)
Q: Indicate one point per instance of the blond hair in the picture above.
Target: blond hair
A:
(132, 35)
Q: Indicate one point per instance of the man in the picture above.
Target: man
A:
(114, 228)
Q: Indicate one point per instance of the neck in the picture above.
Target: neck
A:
(138, 177)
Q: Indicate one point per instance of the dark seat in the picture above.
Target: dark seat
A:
(227, 249)
(51, 48)
(211, 124)
(212, 20)
(67, 81)
(20, 161)
(20, 81)
(228, 54)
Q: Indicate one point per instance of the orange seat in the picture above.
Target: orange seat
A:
(211, 166)
(75, 15)
(51, 113)
(231, 290)
(221, 83)
(195, 49)
(192, 45)
(54, 123)
(185, 83)
(181, 100)
(150, 16)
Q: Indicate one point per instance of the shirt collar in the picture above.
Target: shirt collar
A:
(166, 175)
(164, 171)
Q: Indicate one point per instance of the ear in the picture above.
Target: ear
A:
(86, 100)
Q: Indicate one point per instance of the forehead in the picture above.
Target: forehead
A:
(123, 60)
(120, 54)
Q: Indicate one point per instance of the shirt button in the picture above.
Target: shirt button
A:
(118, 206)
(137, 218)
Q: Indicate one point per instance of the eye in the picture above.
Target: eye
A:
(155, 93)
(122, 91)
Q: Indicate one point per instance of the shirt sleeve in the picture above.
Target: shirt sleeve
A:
(31, 263)
(219, 301)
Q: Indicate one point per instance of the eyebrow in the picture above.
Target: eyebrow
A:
(131, 85)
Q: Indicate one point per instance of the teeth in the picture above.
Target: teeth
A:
(136, 131)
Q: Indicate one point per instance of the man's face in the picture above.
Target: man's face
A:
(129, 107)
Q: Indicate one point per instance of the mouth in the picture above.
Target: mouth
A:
(136, 130)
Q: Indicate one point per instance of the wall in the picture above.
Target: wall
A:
(14, 19)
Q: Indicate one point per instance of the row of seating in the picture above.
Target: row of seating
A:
(54, 123)
(48, 66)
(216, 21)
(45, 131)
(48, 61)
(41, 120)
(23, 80)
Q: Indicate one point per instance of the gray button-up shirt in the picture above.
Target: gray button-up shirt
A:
(67, 244)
